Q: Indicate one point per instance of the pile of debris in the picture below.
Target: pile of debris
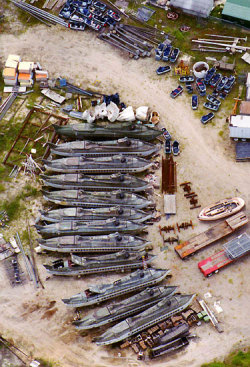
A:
(164, 337)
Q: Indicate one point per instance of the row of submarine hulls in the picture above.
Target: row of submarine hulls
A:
(164, 309)
(122, 309)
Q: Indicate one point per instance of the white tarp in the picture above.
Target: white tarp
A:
(141, 113)
(89, 115)
(112, 112)
(127, 114)
(100, 111)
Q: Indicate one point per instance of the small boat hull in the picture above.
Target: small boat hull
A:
(222, 209)
(97, 200)
(68, 268)
(137, 280)
(111, 131)
(99, 165)
(82, 214)
(88, 228)
(73, 181)
(105, 148)
(93, 244)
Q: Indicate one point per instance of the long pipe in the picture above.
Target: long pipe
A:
(219, 35)
(223, 44)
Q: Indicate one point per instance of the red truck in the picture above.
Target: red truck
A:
(232, 251)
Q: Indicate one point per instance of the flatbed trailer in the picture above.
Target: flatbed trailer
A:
(220, 230)
(232, 251)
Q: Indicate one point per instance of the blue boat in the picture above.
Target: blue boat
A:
(194, 102)
(176, 92)
(215, 80)
(201, 87)
(213, 100)
(207, 117)
(174, 55)
(230, 82)
(211, 106)
(167, 53)
(209, 75)
(222, 83)
(163, 70)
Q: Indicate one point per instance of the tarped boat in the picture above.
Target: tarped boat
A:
(120, 261)
(144, 320)
(87, 214)
(114, 164)
(93, 131)
(105, 148)
(222, 209)
(91, 244)
(97, 199)
(125, 308)
(73, 181)
(87, 228)
(139, 279)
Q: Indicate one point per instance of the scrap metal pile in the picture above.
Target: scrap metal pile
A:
(77, 15)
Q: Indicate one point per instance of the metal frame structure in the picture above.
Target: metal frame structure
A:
(37, 138)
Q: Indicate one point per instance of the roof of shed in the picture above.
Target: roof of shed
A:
(237, 9)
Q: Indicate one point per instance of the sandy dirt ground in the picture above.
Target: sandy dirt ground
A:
(43, 327)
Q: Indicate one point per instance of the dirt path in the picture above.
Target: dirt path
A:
(206, 160)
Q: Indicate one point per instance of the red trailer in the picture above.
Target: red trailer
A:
(232, 251)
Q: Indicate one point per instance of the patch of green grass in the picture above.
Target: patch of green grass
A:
(2, 187)
(47, 363)
(16, 205)
(230, 281)
(241, 359)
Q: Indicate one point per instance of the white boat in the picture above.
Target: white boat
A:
(222, 209)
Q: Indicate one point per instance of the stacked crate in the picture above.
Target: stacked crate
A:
(10, 71)
(25, 73)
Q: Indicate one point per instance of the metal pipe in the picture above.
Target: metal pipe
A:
(142, 51)
(26, 262)
(223, 44)
(219, 35)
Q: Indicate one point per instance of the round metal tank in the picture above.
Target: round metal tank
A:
(200, 69)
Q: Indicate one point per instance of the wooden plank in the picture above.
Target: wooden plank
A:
(211, 235)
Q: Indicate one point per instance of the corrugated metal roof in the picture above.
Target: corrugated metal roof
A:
(237, 9)
(201, 8)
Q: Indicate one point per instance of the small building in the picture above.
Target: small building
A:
(239, 127)
(237, 11)
(201, 8)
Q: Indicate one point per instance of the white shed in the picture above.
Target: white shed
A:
(201, 8)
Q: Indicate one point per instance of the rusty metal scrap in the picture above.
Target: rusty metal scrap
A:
(169, 178)
(34, 134)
